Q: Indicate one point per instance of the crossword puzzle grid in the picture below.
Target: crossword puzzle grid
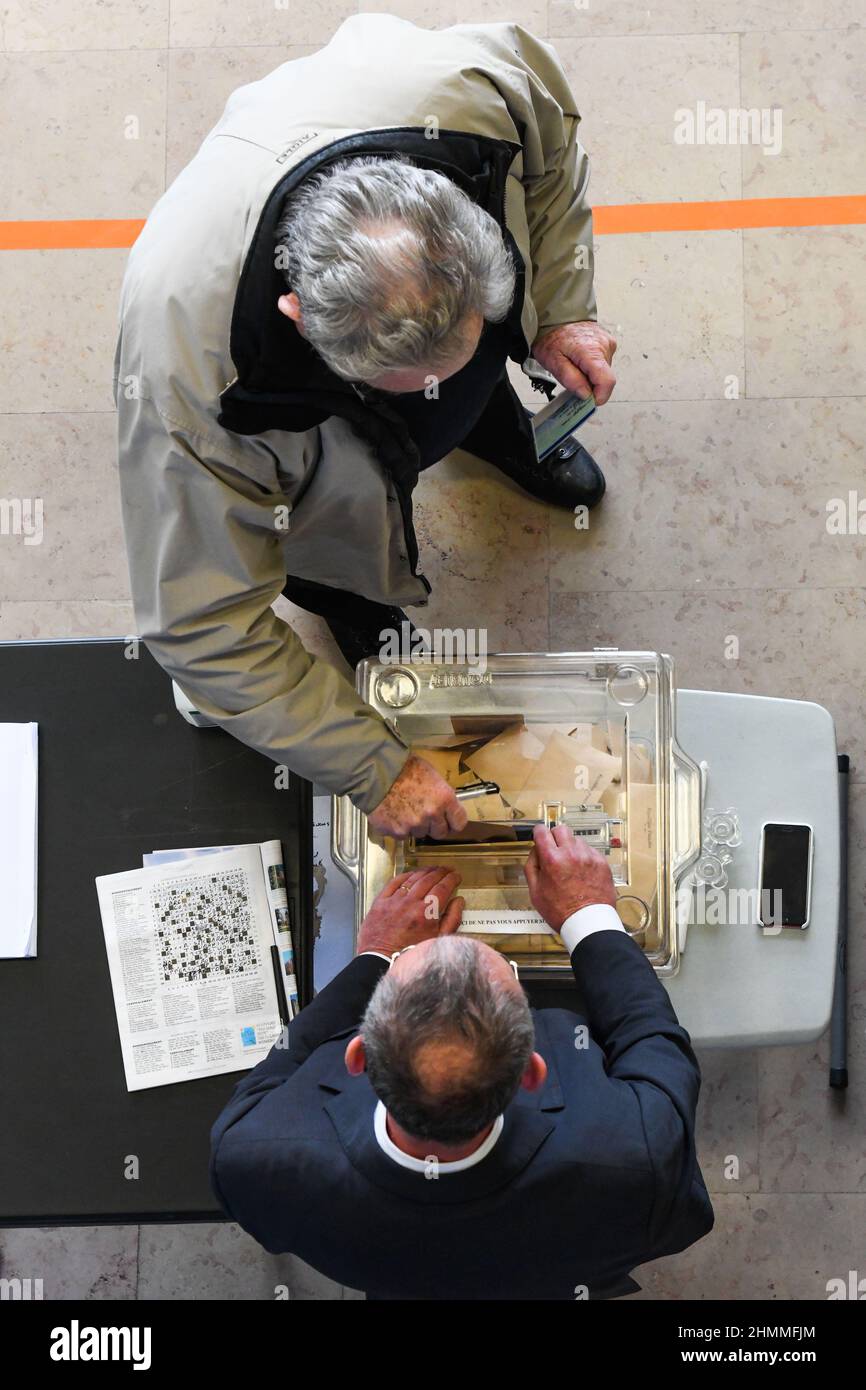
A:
(204, 928)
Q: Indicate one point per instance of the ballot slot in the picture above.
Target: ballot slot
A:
(581, 739)
(591, 822)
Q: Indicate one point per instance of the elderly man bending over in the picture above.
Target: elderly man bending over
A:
(322, 306)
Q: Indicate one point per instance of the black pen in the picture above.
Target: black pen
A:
(278, 981)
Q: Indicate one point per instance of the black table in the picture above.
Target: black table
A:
(120, 772)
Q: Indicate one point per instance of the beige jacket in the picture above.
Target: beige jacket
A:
(207, 557)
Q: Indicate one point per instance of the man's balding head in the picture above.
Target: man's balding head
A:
(447, 1037)
(392, 270)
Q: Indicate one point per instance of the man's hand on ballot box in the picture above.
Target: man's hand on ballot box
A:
(579, 356)
(564, 874)
(413, 907)
(420, 803)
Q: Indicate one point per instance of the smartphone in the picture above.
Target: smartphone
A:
(785, 875)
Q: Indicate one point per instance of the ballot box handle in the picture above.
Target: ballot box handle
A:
(346, 837)
(686, 812)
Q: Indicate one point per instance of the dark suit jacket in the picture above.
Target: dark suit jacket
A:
(592, 1175)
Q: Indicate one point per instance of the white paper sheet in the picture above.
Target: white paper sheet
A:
(189, 951)
(18, 835)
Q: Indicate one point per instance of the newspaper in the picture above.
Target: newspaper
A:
(274, 872)
(189, 947)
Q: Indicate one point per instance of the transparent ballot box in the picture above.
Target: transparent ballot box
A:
(584, 739)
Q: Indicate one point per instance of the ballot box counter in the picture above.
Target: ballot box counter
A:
(120, 774)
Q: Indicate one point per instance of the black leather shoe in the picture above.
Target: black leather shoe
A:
(567, 477)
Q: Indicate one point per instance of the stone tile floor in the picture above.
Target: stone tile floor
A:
(715, 520)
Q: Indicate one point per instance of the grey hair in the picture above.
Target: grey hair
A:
(451, 997)
(387, 260)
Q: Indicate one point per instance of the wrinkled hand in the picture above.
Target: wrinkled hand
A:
(564, 874)
(579, 356)
(412, 907)
(420, 803)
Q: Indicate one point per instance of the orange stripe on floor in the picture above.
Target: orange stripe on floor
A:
(102, 234)
(614, 220)
(730, 215)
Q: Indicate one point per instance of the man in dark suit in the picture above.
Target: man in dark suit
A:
(423, 1134)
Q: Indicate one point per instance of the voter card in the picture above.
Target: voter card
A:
(553, 424)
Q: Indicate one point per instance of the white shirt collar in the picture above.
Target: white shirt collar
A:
(426, 1165)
